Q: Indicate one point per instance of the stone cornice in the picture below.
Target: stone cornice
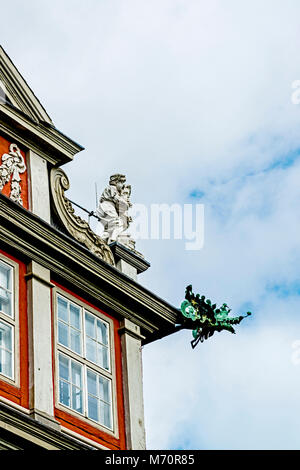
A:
(44, 139)
(31, 431)
(31, 275)
(131, 257)
(72, 263)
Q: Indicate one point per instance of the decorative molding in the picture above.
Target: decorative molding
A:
(32, 275)
(131, 257)
(134, 333)
(44, 139)
(77, 227)
(34, 432)
(12, 166)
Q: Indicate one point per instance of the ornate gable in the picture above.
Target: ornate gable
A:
(16, 92)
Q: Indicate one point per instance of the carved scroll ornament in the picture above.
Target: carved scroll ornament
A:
(12, 166)
(77, 227)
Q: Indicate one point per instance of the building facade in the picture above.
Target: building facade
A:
(73, 317)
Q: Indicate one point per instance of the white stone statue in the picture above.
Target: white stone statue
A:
(12, 166)
(113, 211)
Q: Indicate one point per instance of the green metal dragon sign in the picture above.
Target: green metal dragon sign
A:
(204, 318)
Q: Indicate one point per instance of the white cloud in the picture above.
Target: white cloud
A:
(236, 392)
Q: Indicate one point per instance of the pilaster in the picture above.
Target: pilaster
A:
(40, 344)
(133, 385)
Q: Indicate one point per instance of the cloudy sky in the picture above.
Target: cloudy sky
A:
(191, 99)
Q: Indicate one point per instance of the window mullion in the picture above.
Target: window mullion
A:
(83, 333)
(5, 318)
(12, 352)
(85, 391)
(84, 378)
(70, 381)
(13, 293)
(69, 326)
(98, 398)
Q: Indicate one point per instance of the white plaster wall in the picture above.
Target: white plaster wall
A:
(39, 185)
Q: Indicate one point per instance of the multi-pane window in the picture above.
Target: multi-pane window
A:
(6, 349)
(70, 383)
(96, 340)
(69, 325)
(84, 362)
(99, 397)
(7, 320)
(6, 286)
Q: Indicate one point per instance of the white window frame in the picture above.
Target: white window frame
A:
(13, 322)
(87, 364)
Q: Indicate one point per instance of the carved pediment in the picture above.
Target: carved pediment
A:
(77, 227)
